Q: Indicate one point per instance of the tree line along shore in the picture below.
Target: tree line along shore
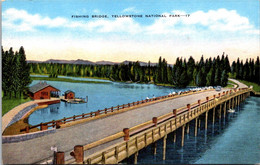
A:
(205, 72)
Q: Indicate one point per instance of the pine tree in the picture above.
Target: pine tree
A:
(24, 71)
(233, 68)
(257, 71)
(184, 81)
(246, 71)
(191, 67)
(5, 72)
(224, 78)
(159, 71)
(237, 70)
(227, 64)
(16, 67)
(164, 71)
(210, 77)
(201, 78)
(218, 77)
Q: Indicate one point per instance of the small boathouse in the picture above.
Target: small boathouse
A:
(69, 94)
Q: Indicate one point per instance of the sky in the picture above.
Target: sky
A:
(49, 29)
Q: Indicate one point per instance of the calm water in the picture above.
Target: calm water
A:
(233, 141)
(100, 96)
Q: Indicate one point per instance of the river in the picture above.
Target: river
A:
(100, 96)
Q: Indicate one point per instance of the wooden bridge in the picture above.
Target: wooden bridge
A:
(138, 137)
(109, 138)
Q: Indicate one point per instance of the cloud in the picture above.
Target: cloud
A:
(96, 11)
(117, 25)
(221, 20)
(23, 21)
(131, 10)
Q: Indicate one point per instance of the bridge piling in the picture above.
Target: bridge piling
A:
(174, 136)
(213, 115)
(206, 120)
(188, 128)
(234, 102)
(196, 125)
(164, 146)
(224, 109)
(135, 157)
(183, 134)
(154, 148)
(219, 113)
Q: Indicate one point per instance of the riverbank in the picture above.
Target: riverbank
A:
(231, 84)
(98, 78)
(15, 128)
(256, 87)
(8, 104)
(67, 80)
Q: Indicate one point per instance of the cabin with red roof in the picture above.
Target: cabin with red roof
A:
(42, 90)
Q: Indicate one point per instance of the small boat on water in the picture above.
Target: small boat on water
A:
(231, 111)
(75, 100)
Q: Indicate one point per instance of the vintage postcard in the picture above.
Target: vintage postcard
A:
(131, 82)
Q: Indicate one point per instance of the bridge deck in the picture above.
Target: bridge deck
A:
(38, 149)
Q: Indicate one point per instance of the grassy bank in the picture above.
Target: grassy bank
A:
(231, 84)
(256, 87)
(165, 85)
(66, 80)
(99, 78)
(8, 104)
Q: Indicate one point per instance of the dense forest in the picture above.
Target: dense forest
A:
(205, 72)
(15, 73)
(208, 72)
(249, 71)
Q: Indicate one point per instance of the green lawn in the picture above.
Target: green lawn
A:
(66, 80)
(8, 104)
(256, 87)
(229, 86)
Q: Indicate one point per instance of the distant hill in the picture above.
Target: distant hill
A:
(106, 63)
(141, 63)
(86, 62)
(78, 61)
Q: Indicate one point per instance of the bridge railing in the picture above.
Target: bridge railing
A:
(170, 121)
(57, 123)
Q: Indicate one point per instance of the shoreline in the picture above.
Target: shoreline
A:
(99, 78)
(68, 80)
